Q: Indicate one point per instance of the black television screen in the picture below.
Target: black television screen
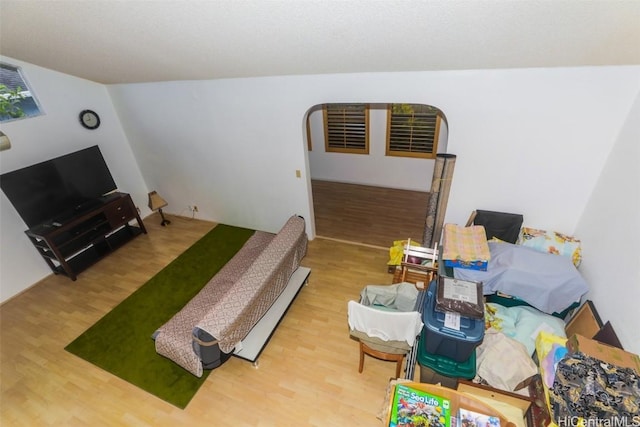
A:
(56, 189)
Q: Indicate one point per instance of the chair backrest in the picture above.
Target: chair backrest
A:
(502, 225)
(418, 254)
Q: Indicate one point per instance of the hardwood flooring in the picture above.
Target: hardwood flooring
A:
(307, 374)
(370, 215)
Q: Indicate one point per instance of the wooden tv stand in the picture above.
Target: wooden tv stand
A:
(73, 245)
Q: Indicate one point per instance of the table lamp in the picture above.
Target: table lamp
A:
(156, 203)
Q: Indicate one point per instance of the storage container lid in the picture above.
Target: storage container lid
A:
(471, 330)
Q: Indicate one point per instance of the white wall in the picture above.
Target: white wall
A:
(57, 132)
(222, 146)
(533, 141)
(610, 234)
(400, 172)
(529, 140)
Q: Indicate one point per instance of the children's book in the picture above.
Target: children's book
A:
(416, 408)
(474, 419)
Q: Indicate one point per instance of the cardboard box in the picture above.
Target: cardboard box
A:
(579, 344)
(517, 408)
(480, 265)
(586, 321)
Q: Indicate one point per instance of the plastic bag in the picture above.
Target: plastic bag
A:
(396, 252)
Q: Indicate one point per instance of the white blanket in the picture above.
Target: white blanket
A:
(383, 324)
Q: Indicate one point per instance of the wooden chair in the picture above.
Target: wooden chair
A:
(395, 345)
(418, 265)
(502, 225)
(391, 357)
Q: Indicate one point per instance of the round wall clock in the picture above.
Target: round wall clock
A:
(89, 119)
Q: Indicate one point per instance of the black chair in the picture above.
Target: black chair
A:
(502, 225)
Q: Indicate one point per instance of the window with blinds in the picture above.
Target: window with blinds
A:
(412, 130)
(346, 128)
(17, 99)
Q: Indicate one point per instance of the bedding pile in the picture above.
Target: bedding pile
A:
(537, 280)
(534, 280)
(548, 282)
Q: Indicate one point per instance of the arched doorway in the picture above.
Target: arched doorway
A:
(366, 189)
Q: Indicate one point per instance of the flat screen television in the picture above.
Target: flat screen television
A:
(58, 189)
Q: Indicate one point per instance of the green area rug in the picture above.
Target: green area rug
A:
(121, 342)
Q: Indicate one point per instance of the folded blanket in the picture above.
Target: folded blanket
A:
(383, 324)
(465, 243)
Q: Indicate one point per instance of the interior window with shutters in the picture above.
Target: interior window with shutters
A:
(346, 128)
(412, 130)
(18, 101)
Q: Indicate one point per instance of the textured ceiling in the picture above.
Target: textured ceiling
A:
(142, 41)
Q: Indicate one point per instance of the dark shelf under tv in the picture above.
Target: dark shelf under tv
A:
(82, 240)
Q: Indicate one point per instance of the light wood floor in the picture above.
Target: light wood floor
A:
(370, 215)
(307, 375)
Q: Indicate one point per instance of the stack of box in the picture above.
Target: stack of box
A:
(465, 247)
(446, 351)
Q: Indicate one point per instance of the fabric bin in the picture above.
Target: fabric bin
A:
(443, 341)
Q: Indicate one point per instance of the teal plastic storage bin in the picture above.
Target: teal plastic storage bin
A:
(442, 341)
(440, 369)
